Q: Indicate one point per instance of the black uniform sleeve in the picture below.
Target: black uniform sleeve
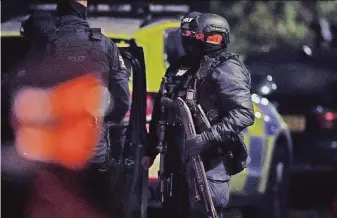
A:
(118, 85)
(232, 84)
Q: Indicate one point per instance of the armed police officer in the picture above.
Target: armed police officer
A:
(219, 82)
(70, 49)
(82, 40)
(72, 17)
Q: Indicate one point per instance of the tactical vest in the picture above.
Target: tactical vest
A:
(179, 81)
(75, 52)
(182, 81)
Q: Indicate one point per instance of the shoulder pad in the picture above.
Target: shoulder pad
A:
(225, 56)
(95, 33)
(95, 30)
(233, 56)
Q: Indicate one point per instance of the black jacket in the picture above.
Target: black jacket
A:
(224, 95)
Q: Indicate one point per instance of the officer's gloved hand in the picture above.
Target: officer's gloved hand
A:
(197, 144)
(166, 102)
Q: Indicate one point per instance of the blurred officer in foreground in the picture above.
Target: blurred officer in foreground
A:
(221, 85)
(57, 108)
(72, 16)
(70, 50)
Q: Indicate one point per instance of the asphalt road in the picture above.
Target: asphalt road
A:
(313, 213)
(11, 164)
(294, 213)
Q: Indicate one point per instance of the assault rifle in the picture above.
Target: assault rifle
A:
(162, 144)
(197, 164)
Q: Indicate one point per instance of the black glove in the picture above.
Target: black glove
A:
(196, 144)
(167, 103)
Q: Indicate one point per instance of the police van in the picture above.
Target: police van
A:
(261, 190)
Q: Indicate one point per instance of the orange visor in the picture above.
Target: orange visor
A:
(213, 39)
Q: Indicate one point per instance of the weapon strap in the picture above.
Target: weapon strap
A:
(210, 63)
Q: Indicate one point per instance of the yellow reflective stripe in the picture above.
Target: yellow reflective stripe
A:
(153, 171)
(266, 164)
(249, 176)
(122, 44)
(258, 128)
(151, 38)
(152, 41)
(12, 33)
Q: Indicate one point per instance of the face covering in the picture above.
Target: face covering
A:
(187, 44)
(197, 48)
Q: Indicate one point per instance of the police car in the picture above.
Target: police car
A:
(261, 189)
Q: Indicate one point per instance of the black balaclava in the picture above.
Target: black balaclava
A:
(185, 40)
(69, 7)
(200, 48)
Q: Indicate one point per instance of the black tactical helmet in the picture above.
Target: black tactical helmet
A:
(209, 24)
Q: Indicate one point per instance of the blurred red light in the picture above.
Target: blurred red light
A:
(328, 119)
(149, 104)
(330, 116)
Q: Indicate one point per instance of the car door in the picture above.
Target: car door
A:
(133, 178)
(13, 49)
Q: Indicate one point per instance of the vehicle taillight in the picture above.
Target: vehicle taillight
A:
(149, 106)
(328, 119)
(149, 109)
(330, 116)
